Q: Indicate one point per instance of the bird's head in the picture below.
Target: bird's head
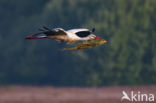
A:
(94, 37)
(97, 38)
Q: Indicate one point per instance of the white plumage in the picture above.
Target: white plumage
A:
(69, 36)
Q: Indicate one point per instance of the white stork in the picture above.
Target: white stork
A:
(69, 36)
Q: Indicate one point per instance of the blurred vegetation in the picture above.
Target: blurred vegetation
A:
(128, 58)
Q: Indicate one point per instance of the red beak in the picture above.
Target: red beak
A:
(96, 37)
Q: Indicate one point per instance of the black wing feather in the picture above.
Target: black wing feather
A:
(83, 33)
(50, 32)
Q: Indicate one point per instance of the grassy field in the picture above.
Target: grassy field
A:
(48, 94)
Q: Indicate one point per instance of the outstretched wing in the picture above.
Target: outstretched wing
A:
(57, 31)
(87, 44)
(50, 32)
(83, 33)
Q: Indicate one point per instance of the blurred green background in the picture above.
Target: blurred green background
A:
(129, 57)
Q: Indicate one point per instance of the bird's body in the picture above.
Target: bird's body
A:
(69, 36)
(85, 36)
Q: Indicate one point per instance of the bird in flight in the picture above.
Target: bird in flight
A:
(85, 36)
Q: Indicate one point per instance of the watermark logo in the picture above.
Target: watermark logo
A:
(137, 96)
